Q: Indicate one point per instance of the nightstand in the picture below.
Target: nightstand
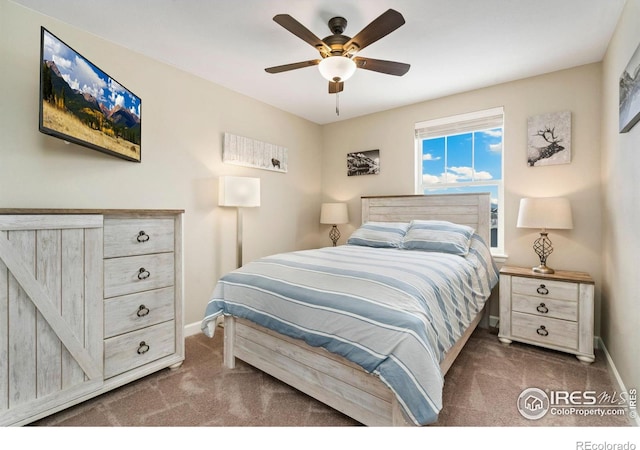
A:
(549, 310)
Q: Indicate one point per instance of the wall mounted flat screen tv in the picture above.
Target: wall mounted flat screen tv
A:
(80, 103)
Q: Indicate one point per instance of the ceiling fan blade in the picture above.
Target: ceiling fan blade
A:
(386, 23)
(382, 66)
(295, 27)
(293, 66)
(335, 87)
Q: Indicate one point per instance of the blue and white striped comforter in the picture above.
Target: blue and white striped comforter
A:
(393, 312)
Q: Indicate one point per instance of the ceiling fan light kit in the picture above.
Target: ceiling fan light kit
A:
(337, 68)
(337, 51)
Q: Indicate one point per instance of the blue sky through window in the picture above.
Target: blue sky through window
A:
(462, 158)
(462, 163)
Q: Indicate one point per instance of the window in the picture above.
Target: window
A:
(463, 154)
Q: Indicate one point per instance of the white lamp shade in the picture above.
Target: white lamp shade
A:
(545, 213)
(239, 191)
(339, 67)
(334, 213)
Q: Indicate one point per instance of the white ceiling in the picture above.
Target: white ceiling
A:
(452, 45)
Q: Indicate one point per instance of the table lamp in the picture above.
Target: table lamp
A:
(544, 213)
(334, 214)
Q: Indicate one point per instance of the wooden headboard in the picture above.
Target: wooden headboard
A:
(473, 210)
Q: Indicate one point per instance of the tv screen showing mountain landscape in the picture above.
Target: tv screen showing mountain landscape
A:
(79, 103)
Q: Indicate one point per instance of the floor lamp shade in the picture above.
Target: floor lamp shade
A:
(242, 192)
(239, 192)
(544, 213)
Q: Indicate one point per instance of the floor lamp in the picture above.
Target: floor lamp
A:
(239, 192)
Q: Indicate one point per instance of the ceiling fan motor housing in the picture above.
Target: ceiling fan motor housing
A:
(337, 25)
(337, 40)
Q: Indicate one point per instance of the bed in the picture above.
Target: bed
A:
(369, 328)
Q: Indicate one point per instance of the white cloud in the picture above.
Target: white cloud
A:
(495, 148)
(457, 175)
(116, 98)
(493, 133)
(430, 157)
(467, 173)
(87, 79)
(431, 179)
(62, 63)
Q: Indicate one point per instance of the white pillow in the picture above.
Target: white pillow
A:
(438, 236)
(379, 234)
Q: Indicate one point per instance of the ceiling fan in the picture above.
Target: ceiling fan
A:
(338, 52)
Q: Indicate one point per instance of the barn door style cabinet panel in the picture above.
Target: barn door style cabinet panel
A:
(89, 300)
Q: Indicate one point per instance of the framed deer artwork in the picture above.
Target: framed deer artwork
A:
(549, 139)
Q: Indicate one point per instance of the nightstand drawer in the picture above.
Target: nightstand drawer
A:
(545, 307)
(554, 332)
(131, 350)
(545, 288)
(136, 311)
(138, 273)
(128, 237)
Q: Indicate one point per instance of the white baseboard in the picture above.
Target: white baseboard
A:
(616, 376)
(191, 329)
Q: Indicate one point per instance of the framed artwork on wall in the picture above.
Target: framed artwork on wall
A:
(549, 139)
(243, 151)
(630, 93)
(80, 103)
(363, 163)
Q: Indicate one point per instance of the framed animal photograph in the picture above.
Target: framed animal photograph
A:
(363, 163)
(549, 139)
(630, 93)
(243, 151)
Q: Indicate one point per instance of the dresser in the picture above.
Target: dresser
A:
(93, 299)
(549, 310)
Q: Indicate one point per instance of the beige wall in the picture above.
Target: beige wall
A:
(621, 212)
(576, 90)
(184, 118)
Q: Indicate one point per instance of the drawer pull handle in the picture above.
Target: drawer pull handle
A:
(143, 274)
(143, 237)
(542, 290)
(541, 308)
(542, 331)
(143, 348)
(142, 311)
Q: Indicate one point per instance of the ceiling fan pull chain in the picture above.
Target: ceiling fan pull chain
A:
(337, 104)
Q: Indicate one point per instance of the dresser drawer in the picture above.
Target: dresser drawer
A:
(132, 312)
(131, 350)
(138, 273)
(545, 288)
(128, 237)
(545, 307)
(544, 330)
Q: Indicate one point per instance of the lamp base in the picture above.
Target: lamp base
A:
(543, 269)
(334, 235)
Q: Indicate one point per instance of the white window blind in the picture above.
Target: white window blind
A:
(462, 123)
